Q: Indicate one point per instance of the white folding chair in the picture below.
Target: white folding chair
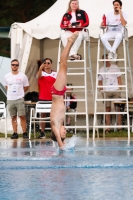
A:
(41, 107)
(3, 115)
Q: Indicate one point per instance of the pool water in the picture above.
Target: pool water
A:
(36, 170)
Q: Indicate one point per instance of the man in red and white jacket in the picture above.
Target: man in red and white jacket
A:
(46, 78)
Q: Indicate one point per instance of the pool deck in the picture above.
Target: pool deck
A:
(48, 139)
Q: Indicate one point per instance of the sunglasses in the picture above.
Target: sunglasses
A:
(48, 63)
(15, 65)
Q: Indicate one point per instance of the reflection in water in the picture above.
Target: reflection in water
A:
(37, 170)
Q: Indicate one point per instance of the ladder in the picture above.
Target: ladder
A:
(98, 100)
(78, 68)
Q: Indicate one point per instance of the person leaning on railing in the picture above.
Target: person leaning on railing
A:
(74, 20)
(115, 22)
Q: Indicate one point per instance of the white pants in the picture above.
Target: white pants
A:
(77, 43)
(117, 35)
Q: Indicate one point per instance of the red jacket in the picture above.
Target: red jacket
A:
(81, 16)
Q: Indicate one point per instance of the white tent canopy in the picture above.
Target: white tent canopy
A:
(39, 37)
(47, 25)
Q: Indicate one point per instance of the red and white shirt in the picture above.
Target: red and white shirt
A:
(45, 83)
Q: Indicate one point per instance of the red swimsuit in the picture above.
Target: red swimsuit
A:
(57, 92)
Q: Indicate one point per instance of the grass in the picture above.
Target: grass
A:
(81, 133)
(47, 135)
(112, 134)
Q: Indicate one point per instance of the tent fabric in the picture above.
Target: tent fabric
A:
(47, 25)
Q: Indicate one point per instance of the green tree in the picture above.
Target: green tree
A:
(22, 10)
(19, 11)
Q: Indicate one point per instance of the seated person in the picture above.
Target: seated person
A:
(58, 89)
(70, 107)
(110, 92)
(118, 18)
(74, 14)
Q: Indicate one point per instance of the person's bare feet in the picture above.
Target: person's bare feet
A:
(73, 37)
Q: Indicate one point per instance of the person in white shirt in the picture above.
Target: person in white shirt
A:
(16, 83)
(110, 92)
(115, 21)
